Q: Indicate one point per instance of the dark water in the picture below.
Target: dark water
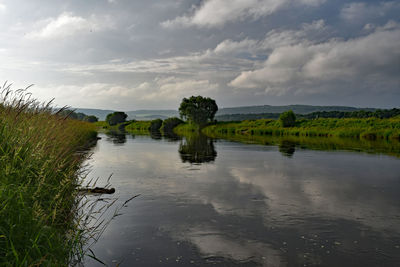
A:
(221, 203)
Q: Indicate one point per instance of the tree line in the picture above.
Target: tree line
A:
(380, 113)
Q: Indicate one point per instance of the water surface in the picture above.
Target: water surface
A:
(219, 203)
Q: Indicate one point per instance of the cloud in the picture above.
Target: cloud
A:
(67, 24)
(172, 88)
(365, 62)
(359, 12)
(3, 8)
(216, 13)
(214, 243)
(274, 39)
(168, 90)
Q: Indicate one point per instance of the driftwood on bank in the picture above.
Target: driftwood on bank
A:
(97, 190)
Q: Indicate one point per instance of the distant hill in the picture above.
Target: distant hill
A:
(99, 113)
(249, 116)
(264, 111)
(152, 114)
(136, 114)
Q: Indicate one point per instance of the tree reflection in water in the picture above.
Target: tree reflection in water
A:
(287, 148)
(171, 136)
(116, 137)
(197, 148)
(156, 135)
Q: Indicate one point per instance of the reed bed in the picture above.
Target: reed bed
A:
(138, 126)
(41, 155)
(369, 128)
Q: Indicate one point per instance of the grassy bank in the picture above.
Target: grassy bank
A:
(138, 127)
(370, 128)
(40, 160)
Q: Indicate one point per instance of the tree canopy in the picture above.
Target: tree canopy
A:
(116, 117)
(287, 119)
(198, 109)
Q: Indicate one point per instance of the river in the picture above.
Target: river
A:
(206, 202)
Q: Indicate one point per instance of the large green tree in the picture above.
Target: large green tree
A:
(287, 119)
(115, 118)
(198, 109)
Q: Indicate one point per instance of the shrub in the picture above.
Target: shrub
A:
(287, 119)
(155, 125)
(115, 118)
(170, 123)
(91, 119)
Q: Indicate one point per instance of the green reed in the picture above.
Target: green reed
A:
(41, 155)
(369, 128)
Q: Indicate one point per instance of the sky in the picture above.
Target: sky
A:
(148, 54)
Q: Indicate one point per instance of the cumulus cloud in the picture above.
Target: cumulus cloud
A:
(313, 31)
(309, 68)
(215, 13)
(67, 24)
(360, 11)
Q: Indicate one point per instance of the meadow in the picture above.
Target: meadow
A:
(41, 155)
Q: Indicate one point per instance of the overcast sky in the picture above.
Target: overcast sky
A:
(135, 54)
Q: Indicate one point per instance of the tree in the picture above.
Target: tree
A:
(91, 118)
(198, 109)
(115, 118)
(287, 119)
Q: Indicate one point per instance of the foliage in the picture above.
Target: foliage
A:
(170, 123)
(287, 119)
(116, 117)
(138, 126)
(67, 113)
(367, 113)
(198, 109)
(155, 125)
(91, 118)
(370, 128)
(39, 171)
(251, 116)
(380, 113)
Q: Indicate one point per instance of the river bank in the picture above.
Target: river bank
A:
(369, 128)
(41, 154)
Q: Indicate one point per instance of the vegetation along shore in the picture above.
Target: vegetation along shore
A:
(41, 152)
(360, 125)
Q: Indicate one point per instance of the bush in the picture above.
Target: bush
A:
(91, 119)
(170, 123)
(287, 119)
(115, 118)
(155, 125)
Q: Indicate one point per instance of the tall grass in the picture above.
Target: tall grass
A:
(40, 162)
(370, 128)
(138, 127)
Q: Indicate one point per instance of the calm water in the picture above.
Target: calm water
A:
(221, 203)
